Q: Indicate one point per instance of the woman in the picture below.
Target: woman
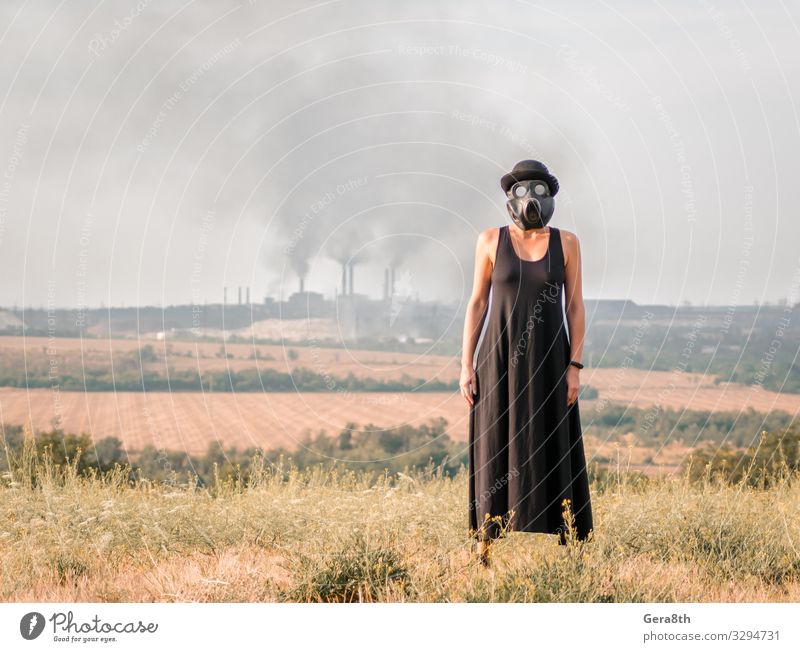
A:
(527, 469)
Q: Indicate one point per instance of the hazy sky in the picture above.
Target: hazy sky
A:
(154, 152)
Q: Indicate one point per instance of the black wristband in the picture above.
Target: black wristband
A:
(575, 363)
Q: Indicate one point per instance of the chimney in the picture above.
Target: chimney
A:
(248, 295)
(391, 283)
(385, 284)
(344, 279)
(225, 295)
(240, 295)
(301, 285)
(350, 280)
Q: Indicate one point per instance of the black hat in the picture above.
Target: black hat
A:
(529, 171)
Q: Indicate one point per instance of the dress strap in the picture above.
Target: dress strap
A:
(555, 248)
(499, 249)
(504, 244)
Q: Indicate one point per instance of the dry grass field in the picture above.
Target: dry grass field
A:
(315, 536)
(636, 387)
(318, 536)
(73, 354)
(189, 421)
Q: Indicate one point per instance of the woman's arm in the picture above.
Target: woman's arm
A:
(476, 309)
(575, 311)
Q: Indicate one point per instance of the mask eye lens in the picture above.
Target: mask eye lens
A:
(540, 189)
(520, 191)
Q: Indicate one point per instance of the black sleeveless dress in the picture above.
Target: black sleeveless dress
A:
(525, 443)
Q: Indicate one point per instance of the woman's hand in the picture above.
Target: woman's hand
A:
(468, 383)
(573, 384)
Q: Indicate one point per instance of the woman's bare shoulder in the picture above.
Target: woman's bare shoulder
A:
(487, 241)
(568, 236)
(570, 244)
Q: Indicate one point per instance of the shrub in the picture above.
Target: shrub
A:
(358, 572)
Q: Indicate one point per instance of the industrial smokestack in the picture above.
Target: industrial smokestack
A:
(391, 282)
(344, 279)
(248, 295)
(225, 295)
(350, 280)
(301, 285)
(240, 295)
(385, 284)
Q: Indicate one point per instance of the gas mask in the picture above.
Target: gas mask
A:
(531, 205)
